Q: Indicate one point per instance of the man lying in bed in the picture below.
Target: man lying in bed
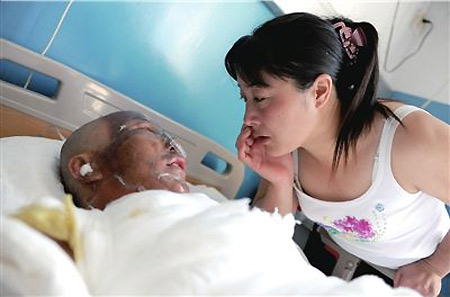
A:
(152, 241)
(118, 154)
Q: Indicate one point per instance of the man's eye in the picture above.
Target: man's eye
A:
(259, 99)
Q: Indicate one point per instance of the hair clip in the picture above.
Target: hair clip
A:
(351, 40)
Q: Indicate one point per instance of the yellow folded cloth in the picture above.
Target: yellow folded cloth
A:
(57, 223)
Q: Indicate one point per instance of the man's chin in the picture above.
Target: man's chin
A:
(182, 187)
(174, 182)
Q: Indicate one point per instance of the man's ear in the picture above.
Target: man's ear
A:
(83, 169)
(323, 86)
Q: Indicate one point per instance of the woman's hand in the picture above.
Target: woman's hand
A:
(253, 153)
(420, 277)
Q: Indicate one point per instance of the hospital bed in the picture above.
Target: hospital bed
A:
(78, 100)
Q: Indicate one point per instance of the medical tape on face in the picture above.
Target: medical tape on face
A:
(166, 137)
(169, 139)
(168, 175)
(133, 187)
(140, 188)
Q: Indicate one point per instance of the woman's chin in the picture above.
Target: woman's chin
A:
(274, 151)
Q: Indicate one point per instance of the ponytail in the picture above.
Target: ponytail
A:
(356, 86)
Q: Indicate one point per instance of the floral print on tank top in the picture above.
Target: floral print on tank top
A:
(359, 229)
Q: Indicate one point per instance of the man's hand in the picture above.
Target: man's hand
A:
(420, 277)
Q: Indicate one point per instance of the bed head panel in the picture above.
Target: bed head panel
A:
(80, 99)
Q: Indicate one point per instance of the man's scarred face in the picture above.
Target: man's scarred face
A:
(140, 157)
(127, 153)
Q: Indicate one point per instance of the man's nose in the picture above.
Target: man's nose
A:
(250, 117)
(174, 146)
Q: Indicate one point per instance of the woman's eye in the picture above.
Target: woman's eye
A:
(259, 99)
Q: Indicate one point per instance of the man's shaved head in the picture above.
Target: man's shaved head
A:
(125, 153)
(93, 139)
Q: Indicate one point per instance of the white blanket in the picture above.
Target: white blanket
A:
(162, 243)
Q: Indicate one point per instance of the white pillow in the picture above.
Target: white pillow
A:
(28, 171)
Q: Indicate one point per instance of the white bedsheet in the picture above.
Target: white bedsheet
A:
(32, 264)
(162, 243)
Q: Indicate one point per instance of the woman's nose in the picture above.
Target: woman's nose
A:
(250, 117)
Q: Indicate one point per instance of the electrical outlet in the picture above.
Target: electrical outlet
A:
(418, 26)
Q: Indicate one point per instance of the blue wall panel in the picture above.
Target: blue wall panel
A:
(30, 24)
(168, 56)
(408, 99)
(437, 109)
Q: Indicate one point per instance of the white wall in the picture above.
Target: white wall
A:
(426, 74)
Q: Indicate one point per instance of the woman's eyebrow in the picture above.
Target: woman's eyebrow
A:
(261, 85)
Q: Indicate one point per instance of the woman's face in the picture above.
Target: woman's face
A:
(279, 112)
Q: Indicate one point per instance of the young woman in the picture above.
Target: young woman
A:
(374, 173)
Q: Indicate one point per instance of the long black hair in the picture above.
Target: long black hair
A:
(301, 46)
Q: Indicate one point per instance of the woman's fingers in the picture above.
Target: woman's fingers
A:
(249, 149)
(243, 137)
(244, 142)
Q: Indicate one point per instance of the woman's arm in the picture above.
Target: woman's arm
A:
(268, 197)
(421, 162)
(277, 176)
(425, 275)
(439, 261)
(421, 156)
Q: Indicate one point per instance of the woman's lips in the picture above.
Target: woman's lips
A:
(261, 139)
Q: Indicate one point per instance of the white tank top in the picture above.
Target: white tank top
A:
(386, 225)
